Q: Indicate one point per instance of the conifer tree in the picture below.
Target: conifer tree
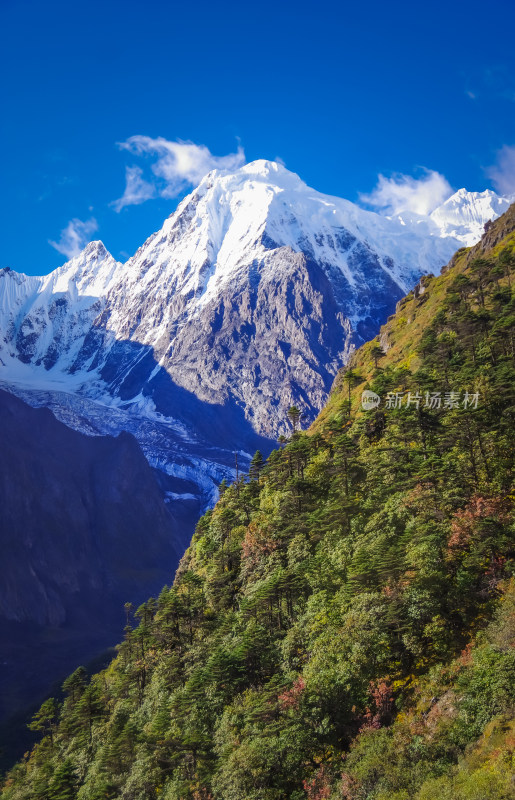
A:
(294, 415)
(63, 785)
(256, 465)
(45, 720)
(377, 352)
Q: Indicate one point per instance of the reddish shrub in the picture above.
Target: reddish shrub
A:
(467, 521)
(202, 794)
(256, 545)
(291, 697)
(319, 787)
(348, 787)
(381, 705)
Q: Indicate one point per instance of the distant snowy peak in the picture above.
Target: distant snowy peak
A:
(42, 319)
(463, 215)
(91, 272)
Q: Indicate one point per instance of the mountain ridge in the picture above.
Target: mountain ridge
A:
(219, 228)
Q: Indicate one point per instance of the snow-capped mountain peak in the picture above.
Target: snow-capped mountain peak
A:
(237, 216)
(91, 272)
(463, 215)
(256, 288)
(43, 319)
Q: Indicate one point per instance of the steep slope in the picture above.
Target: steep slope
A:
(75, 517)
(342, 624)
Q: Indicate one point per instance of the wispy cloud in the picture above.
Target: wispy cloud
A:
(75, 236)
(502, 173)
(178, 166)
(137, 189)
(404, 193)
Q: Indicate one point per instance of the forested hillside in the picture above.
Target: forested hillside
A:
(343, 625)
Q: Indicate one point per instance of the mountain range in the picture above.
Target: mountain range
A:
(249, 299)
(252, 296)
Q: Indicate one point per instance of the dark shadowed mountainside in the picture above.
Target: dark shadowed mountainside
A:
(83, 529)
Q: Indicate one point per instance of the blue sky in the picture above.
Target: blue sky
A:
(341, 92)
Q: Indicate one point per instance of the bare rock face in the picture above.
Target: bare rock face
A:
(274, 338)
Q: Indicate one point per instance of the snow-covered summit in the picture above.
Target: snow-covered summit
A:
(463, 215)
(235, 216)
(43, 319)
(91, 272)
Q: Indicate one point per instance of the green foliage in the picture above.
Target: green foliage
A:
(342, 625)
(44, 720)
(63, 785)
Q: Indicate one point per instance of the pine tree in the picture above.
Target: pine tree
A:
(377, 352)
(350, 377)
(294, 415)
(74, 685)
(256, 465)
(45, 720)
(63, 785)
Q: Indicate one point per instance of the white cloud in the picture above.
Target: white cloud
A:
(502, 174)
(137, 189)
(404, 193)
(75, 237)
(179, 165)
